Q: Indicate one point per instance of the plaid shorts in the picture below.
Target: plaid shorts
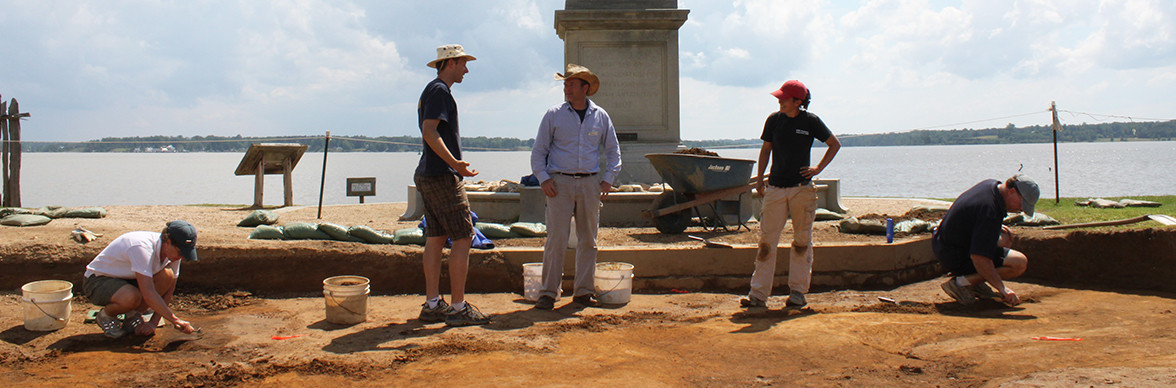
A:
(447, 210)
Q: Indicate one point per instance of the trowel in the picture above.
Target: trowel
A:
(709, 243)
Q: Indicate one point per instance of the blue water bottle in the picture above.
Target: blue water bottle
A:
(889, 230)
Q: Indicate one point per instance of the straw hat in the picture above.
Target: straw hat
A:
(450, 51)
(581, 72)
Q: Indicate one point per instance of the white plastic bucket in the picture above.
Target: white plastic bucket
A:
(346, 299)
(533, 282)
(614, 282)
(47, 304)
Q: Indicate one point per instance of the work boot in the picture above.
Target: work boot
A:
(435, 314)
(545, 303)
(983, 291)
(959, 293)
(795, 299)
(110, 326)
(586, 300)
(131, 322)
(751, 302)
(467, 316)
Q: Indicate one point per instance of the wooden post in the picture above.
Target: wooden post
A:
(4, 151)
(287, 182)
(1056, 127)
(273, 158)
(14, 115)
(258, 182)
(323, 180)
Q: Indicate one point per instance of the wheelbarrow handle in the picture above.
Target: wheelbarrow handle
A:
(699, 199)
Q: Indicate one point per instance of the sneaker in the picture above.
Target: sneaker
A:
(586, 300)
(796, 299)
(959, 293)
(110, 326)
(545, 303)
(132, 321)
(436, 314)
(467, 316)
(752, 301)
(983, 291)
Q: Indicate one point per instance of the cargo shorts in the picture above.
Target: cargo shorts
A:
(447, 210)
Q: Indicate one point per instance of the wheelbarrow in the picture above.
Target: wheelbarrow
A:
(697, 180)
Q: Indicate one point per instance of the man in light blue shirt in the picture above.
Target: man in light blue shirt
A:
(573, 138)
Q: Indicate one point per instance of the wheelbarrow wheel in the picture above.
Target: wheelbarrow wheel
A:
(673, 223)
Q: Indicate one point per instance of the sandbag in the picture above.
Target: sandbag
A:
(25, 220)
(493, 230)
(1038, 219)
(5, 212)
(1138, 203)
(267, 232)
(1100, 203)
(933, 209)
(259, 217)
(52, 211)
(88, 212)
(914, 226)
(337, 232)
(409, 236)
(827, 215)
(367, 234)
(853, 225)
(529, 229)
(304, 231)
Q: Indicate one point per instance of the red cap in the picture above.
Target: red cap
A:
(791, 89)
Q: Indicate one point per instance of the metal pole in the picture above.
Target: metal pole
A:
(1056, 127)
(323, 180)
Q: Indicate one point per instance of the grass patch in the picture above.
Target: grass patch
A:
(1066, 212)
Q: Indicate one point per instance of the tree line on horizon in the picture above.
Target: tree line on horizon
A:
(1010, 134)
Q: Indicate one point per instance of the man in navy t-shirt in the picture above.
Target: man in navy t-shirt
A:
(788, 136)
(973, 244)
(438, 178)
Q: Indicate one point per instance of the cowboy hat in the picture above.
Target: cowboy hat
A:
(581, 72)
(450, 51)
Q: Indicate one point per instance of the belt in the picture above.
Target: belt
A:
(578, 175)
(795, 185)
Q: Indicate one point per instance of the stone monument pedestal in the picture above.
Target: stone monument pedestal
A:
(633, 47)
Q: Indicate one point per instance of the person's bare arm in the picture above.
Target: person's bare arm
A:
(765, 154)
(834, 146)
(987, 270)
(155, 301)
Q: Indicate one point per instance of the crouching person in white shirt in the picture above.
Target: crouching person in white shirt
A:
(137, 272)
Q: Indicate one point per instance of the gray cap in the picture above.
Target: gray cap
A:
(1029, 192)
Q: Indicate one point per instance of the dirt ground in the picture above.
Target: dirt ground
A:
(843, 338)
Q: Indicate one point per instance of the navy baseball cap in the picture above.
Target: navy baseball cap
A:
(183, 236)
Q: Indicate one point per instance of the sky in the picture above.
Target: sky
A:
(86, 70)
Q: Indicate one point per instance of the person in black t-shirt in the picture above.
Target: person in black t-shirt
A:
(788, 137)
(438, 178)
(973, 243)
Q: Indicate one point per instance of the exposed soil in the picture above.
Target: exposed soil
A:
(1111, 289)
(844, 338)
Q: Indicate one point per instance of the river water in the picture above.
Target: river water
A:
(1107, 169)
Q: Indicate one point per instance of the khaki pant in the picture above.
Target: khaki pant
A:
(800, 204)
(582, 197)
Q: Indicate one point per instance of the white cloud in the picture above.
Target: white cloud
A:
(89, 69)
